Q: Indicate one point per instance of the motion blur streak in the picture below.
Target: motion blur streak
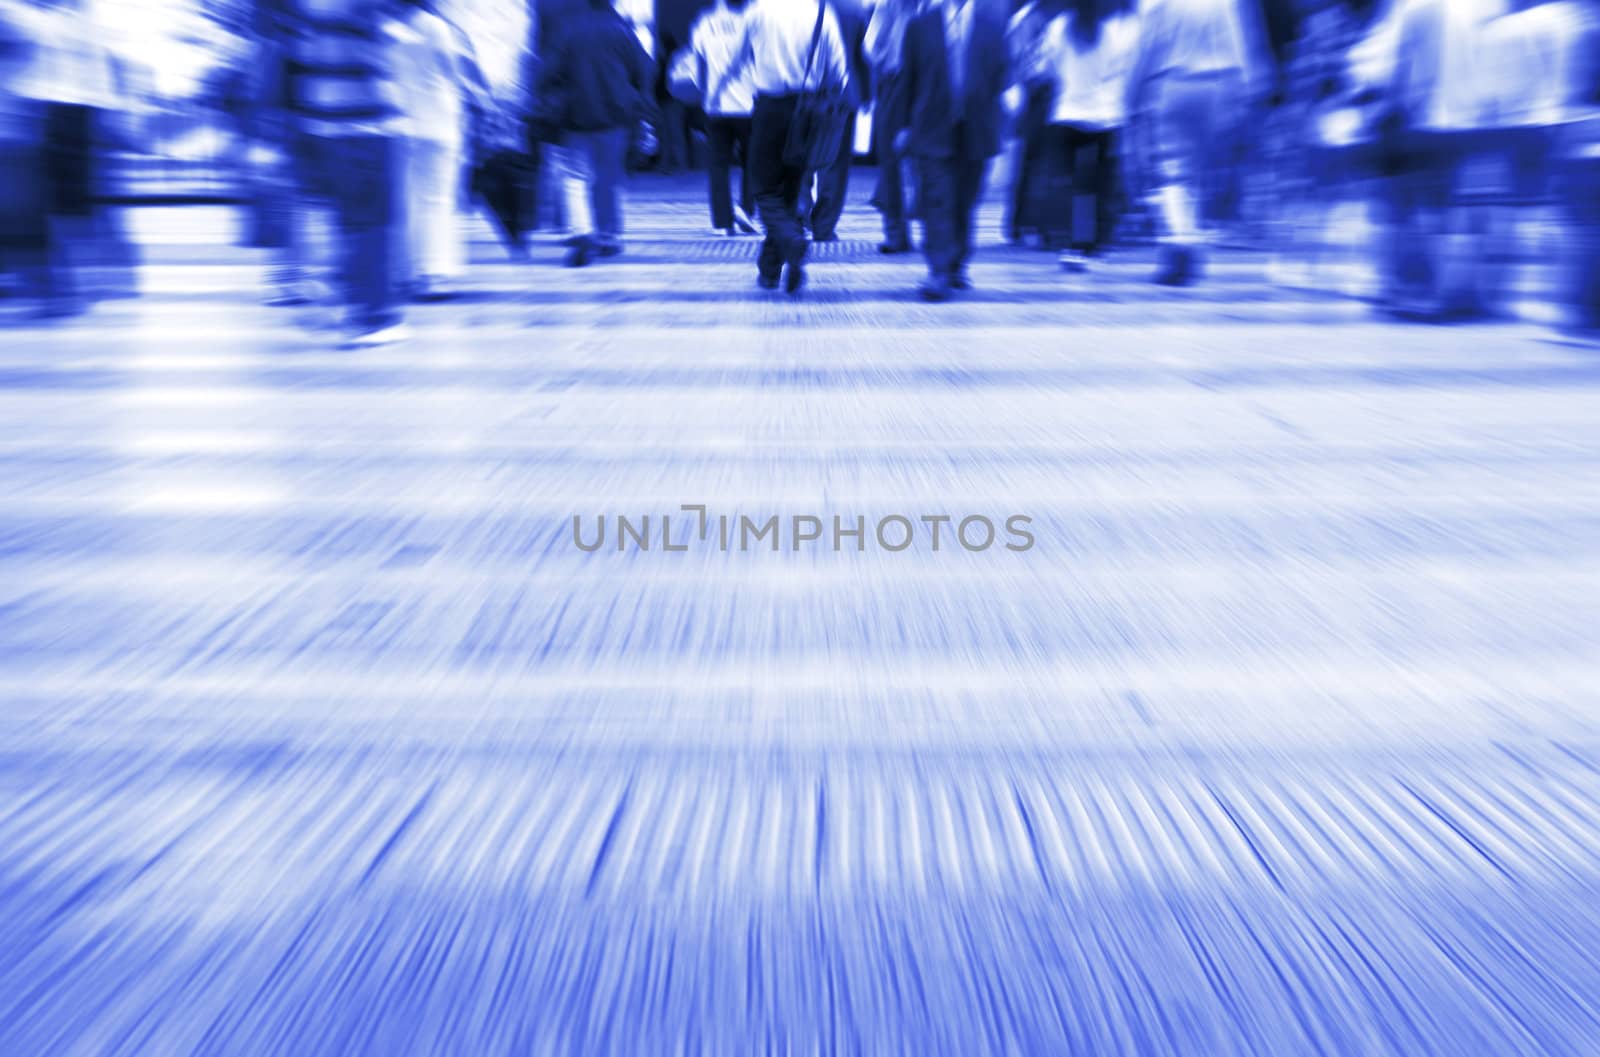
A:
(321, 736)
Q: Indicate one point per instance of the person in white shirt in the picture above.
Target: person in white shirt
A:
(1195, 74)
(438, 83)
(789, 47)
(712, 41)
(1089, 49)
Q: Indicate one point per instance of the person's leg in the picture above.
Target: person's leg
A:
(777, 185)
(367, 210)
(891, 194)
(607, 154)
(1086, 166)
(1105, 191)
(747, 184)
(430, 216)
(833, 188)
(937, 185)
(674, 137)
(1055, 209)
(969, 173)
(569, 164)
(1180, 153)
(721, 134)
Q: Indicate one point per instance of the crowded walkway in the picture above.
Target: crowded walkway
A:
(520, 659)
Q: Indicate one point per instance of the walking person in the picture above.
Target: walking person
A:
(598, 83)
(795, 52)
(348, 112)
(440, 88)
(712, 41)
(1193, 80)
(1089, 50)
(68, 85)
(885, 45)
(956, 71)
(1034, 82)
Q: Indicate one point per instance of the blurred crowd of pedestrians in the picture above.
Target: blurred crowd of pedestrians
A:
(1466, 130)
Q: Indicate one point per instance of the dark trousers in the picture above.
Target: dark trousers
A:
(729, 135)
(361, 176)
(673, 153)
(890, 197)
(949, 189)
(777, 183)
(833, 187)
(1023, 206)
(603, 154)
(1081, 209)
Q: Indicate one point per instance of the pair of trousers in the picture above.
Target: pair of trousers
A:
(433, 188)
(833, 187)
(363, 175)
(1194, 127)
(1081, 209)
(949, 191)
(777, 183)
(729, 135)
(591, 165)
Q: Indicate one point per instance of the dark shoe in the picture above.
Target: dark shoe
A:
(580, 254)
(794, 277)
(1178, 266)
(961, 281)
(825, 236)
(894, 249)
(935, 291)
(768, 282)
(610, 249)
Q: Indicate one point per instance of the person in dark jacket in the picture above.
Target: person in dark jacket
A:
(597, 84)
(955, 69)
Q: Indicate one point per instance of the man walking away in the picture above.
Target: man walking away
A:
(955, 69)
(792, 47)
(600, 80)
(712, 42)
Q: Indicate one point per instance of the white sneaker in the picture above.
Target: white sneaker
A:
(742, 224)
(1076, 263)
(373, 339)
(721, 233)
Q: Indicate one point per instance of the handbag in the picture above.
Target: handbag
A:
(816, 135)
(685, 80)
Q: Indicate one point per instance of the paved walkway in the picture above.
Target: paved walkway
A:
(318, 735)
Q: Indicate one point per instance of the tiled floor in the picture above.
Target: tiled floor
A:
(318, 735)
